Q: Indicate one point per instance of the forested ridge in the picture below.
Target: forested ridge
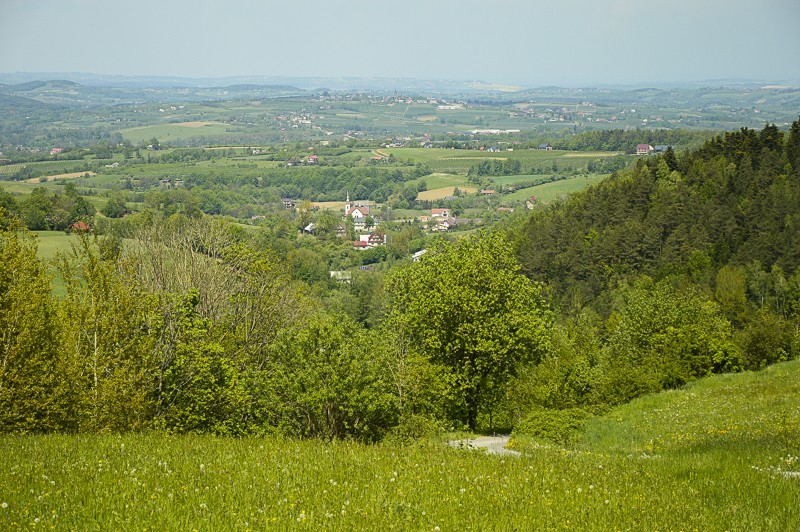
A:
(683, 265)
(680, 266)
(736, 200)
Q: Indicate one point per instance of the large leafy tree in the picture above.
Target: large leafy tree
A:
(466, 307)
(31, 393)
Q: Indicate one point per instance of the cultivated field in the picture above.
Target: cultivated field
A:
(174, 132)
(441, 193)
(71, 175)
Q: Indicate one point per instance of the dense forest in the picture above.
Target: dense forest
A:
(678, 267)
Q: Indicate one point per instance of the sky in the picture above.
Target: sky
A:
(515, 42)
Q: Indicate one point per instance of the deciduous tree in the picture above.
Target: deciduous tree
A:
(466, 307)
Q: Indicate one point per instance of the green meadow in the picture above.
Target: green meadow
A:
(721, 454)
(547, 192)
(166, 133)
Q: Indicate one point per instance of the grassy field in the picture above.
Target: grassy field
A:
(50, 244)
(173, 132)
(547, 192)
(441, 193)
(714, 456)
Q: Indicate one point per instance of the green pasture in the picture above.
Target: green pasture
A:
(173, 132)
(512, 179)
(547, 192)
(51, 243)
(440, 180)
(721, 454)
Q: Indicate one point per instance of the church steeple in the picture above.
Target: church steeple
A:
(347, 204)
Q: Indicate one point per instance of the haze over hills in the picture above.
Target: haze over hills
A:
(366, 83)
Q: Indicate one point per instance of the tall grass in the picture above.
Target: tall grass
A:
(714, 456)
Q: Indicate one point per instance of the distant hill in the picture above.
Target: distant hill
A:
(67, 92)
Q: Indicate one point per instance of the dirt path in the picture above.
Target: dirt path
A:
(492, 444)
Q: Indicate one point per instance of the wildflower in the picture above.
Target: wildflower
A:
(4, 505)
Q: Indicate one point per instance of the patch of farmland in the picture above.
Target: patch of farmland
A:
(71, 175)
(441, 193)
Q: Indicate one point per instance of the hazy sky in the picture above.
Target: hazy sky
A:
(503, 41)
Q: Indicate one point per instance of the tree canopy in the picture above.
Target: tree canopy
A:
(466, 307)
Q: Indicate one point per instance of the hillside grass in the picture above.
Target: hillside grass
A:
(709, 457)
(173, 132)
(548, 192)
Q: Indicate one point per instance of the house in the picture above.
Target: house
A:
(358, 244)
(309, 228)
(359, 212)
(643, 149)
(661, 148)
(487, 192)
(418, 255)
(545, 146)
(359, 215)
(288, 203)
(313, 159)
(341, 276)
(446, 224)
(373, 240)
(341, 230)
(426, 144)
(80, 227)
(494, 149)
(440, 213)
(56, 151)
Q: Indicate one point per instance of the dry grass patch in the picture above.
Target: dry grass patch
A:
(441, 193)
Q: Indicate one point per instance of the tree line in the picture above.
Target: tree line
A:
(677, 268)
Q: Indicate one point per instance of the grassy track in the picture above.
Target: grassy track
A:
(742, 428)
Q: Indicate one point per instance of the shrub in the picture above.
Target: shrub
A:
(558, 426)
